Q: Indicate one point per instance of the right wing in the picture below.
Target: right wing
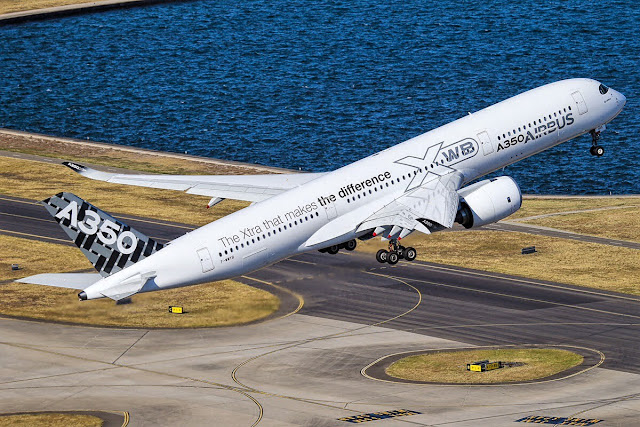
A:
(431, 206)
(250, 188)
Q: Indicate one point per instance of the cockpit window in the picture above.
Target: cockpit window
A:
(603, 89)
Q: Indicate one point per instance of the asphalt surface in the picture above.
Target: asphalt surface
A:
(304, 366)
(457, 304)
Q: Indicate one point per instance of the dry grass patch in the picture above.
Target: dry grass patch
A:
(7, 6)
(558, 260)
(36, 257)
(621, 223)
(50, 420)
(120, 156)
(222, 303)
(212, 304)
(450, 367)
(37, 180)
(541, 206)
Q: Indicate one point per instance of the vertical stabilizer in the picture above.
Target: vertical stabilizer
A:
(110, 245)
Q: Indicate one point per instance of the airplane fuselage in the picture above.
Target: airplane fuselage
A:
(293, 222)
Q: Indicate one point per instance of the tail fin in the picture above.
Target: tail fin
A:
(109, 244)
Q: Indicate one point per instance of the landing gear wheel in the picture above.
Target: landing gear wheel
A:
(401, 251)
(350, 245)
(393, 258)
(598, 150)
(381, 256)
(410, 254)
(333, 249)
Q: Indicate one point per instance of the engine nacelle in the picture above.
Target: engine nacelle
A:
(488, 201)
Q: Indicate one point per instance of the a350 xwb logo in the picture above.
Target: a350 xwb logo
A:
(90, 223)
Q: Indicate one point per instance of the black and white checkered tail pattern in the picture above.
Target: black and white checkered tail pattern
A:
(106, 257)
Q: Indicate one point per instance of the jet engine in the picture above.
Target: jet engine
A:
(488, 201)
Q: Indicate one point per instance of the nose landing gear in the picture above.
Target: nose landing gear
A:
(395, 253)
(596, 150)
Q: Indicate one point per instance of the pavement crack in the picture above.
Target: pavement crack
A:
(130, 347)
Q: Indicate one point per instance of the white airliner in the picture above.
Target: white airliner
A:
(416, 185)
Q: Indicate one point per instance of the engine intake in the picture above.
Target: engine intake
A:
(488, 201)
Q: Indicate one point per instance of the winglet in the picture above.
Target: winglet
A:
(88, 172)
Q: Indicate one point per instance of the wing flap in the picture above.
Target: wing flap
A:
(435, 201)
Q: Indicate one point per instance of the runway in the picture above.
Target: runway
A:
(305, 369)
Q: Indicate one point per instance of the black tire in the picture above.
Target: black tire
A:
(599, 150)
(350, 245)
(381, 256)
(592, 150)
(393, 258)
(333, 249)
(323, 250)
(410, 254)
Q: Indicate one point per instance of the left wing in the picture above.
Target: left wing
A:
(250, 188)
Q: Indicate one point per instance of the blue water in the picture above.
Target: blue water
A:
(322, 84)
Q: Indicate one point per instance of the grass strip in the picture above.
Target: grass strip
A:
(222, 303)
(450, 367)
(36, 180)
(7, 6)
(50, 420)
(558, 260)
(542, 206)
(623, 224)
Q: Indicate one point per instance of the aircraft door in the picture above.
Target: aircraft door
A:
(485, 141)
(205, 259)
(330, 209)
(582, 106)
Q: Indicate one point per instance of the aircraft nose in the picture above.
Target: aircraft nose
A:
(621, 100)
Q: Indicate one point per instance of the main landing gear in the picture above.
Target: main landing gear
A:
(596, 150)
(395, 253)
(350, 245)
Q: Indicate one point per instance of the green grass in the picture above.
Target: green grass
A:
(450, 367)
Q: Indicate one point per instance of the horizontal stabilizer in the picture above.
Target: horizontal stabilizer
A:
(63, 280)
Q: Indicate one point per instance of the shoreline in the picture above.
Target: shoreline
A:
(74, 9)
(147, 151)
